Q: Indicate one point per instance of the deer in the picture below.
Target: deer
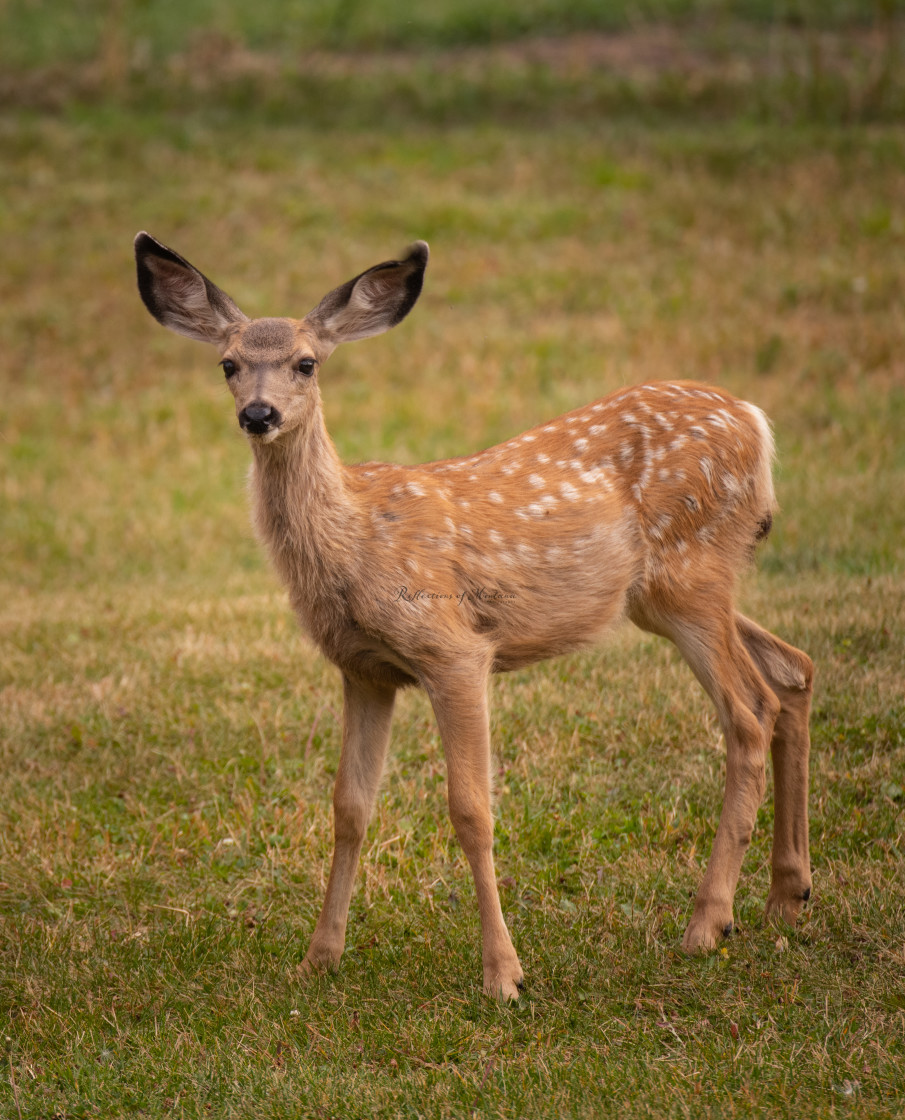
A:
(644, 505)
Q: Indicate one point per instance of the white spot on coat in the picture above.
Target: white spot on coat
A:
(595, 475)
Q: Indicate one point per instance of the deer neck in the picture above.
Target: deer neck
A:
(304, 513)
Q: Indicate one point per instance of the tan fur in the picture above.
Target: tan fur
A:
(644, 504)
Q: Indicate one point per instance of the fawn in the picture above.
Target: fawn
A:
(644, 504)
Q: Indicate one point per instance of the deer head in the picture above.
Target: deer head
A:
(271, 365)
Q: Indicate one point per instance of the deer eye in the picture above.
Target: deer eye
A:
(229, 368)
(306, 366)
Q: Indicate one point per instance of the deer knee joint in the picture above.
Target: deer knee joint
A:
(473, 823)
(350, 816)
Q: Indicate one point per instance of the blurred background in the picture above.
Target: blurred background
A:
(832, 60)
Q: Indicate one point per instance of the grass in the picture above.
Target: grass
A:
(169, 739)
(164, 859)
(337, 64)
(84, 30)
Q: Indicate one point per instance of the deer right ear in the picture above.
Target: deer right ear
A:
(179, 296)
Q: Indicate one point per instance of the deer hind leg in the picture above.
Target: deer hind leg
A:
(747, 708)
(790, 674)
(460, 705)
(367, 714)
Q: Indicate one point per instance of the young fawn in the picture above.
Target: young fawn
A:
(645, 504)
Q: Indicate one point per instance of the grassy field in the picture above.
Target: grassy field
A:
(83, 30)
(169, 738)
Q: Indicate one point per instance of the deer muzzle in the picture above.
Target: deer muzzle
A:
(259, 418)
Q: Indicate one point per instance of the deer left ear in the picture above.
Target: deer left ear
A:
(373, 302)
(179, 296)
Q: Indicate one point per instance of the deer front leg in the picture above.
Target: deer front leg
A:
(367, 714)
(460, 705)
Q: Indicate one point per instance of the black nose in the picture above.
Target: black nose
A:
(258, 418)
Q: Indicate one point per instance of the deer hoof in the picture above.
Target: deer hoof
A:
(705, 933)
(785, 906)
(315, 963)
(504, 984)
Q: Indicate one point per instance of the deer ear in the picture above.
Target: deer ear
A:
(373, 302)
(179, 296)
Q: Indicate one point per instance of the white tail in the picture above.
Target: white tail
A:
(645, 504)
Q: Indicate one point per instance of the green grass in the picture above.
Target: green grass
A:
(36, 34)
(169, 739)
(336, 64)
